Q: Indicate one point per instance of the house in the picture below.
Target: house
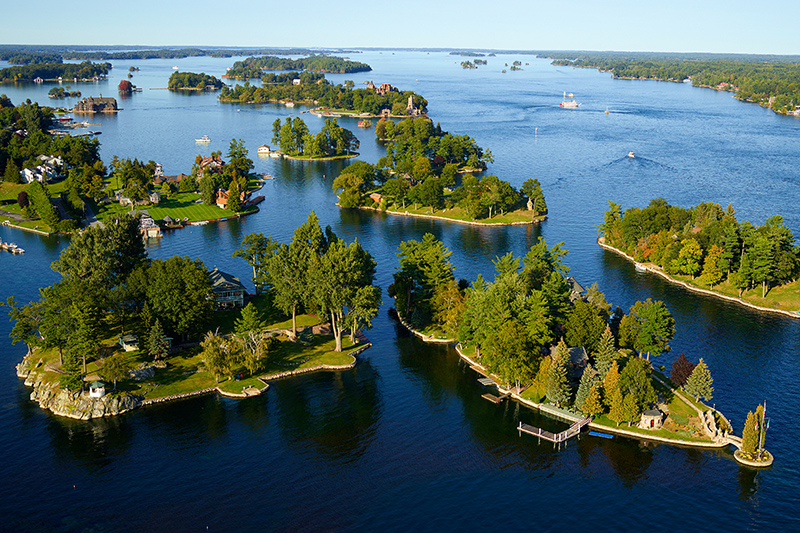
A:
(578, 359)
(263, 149)
(576, 290)
(296, 81)
(154, 197)
(651, 419)
(213, 162)
(222, 198)
(38, 173)
(53, 162)
(129, 343)
(228, 290)
(376, 197)
(97, 389)
(96, 105)
(384, 89)
(149, 228)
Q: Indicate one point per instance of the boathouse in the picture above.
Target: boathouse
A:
(228, 290)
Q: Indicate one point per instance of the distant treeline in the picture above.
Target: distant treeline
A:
(192, 80)
(253, 67)
(315, 88)
(29, 58)
(51, 71)
(772, 81)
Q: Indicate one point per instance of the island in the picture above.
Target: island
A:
(254, 67)
(705, 249)
(296, 142)
(767, 80)
(192, 81)
(537, 336)
(120, 330)
(85, 71)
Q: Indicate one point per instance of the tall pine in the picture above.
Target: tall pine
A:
(617, 412)
(699, 383)
(606, 353)
(593, 405)
(558, 392)
(630, 409)
(749, 435)
(610, 383)
(588, 379)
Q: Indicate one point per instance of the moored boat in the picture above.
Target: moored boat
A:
(203, 139)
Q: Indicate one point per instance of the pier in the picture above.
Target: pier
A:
(565, 435)
(495, 399)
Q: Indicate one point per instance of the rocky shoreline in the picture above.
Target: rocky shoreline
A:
(457, 221)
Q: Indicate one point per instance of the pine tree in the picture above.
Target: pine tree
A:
(699, 383)
(606, 353)
(610, 383)
(617, 412)
(156, 345)
(593, 405)
(558, 392)
(749, 435)
(250, 319)
(630, 409)
(234, 197)
(588, 379)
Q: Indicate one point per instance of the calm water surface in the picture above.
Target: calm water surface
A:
(404, 441)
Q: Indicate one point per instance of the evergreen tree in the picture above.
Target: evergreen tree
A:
(699, 383)
(234, 197)
(114, 368)
(156, 343)
(610, 383)
(634, 380)
(588, 379)
(12, 172)
(749, 435)
(617, 411)
(630, 409)
(208, 192)
(558, 392)
(250, 319)
(593, 405)
(606, 353)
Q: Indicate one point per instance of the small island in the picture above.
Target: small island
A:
(296, 142)
(539, 337)
(254, 67)
(192, 81)
(706, 250)
(120, 330)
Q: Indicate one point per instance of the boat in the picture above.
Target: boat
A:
(569, 104)
(630, 154)
(175, 67)
(203, 139)
(640, 267)
(11, 247)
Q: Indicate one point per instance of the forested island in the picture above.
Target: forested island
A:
(191, 81)
(706, 247)
(771, 81)
(254, 67)
(313, 88)
(118, 315)
(296, 142)
(542, 337)
(53, 71)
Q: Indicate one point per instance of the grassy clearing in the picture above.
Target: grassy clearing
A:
(179, 206)
(457, 214)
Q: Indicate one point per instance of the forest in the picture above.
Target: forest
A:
(313, 88)
(771, 81)
(52, 71)
(254, 67)
(193, 81)
(295, 140)
(707, 243)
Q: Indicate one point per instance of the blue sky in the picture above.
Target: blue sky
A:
(630, 25)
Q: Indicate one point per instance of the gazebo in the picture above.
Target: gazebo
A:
(97, 389)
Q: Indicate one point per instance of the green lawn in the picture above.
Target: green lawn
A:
(458, 214)
(179, 206)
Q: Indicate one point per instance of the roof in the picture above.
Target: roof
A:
(653, 413)
(223, 281)
(577, 355)
(97, 384)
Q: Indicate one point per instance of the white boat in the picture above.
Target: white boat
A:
(203, 139)
(630, 154)
(640, 267)
(569, 104)
(175, 67)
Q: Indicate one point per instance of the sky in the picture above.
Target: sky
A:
(731, 26)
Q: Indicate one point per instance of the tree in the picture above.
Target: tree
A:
(208, 191)
(689, 257)
(11, 174)
(125, 87)
(606, 353)
(648, 327)
(250, 320)
(681, 369)
(749, 434)
(617, 407)
(257, 251)
(533, 190)
(558, 390)
(699, 382)
(234, 198)
(584, 326)
(630, 409)
(255, 346)
(610, 383)
(588, 380)
(214, 357)
(635, 382)
(712, 268)
(157, 345)
(115, 368)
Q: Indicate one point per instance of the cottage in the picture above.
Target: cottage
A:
(576, 290)
(376, 197)
(96, 105)
(97, 389)
(129, 343)
(222, 198)
(651, 419)
(228, 290)
(213, 162)
(263, 149)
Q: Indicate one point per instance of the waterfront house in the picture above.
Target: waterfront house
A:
(576, 290)
(129, 343)
(376, 197)
(263, 149)
(149, 228)
(228, 290)
(222, 198)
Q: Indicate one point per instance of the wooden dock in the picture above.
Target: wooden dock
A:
(486, 382)
(496, 399)
(565, 435)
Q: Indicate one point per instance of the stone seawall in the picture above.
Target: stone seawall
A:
(658, 271)
(425, 338)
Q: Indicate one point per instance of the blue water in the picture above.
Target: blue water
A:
(404, 440)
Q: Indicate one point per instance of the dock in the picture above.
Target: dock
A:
(565, 435)
(486, 382)
(496, 399)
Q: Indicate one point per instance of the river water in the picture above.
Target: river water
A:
(404, 440)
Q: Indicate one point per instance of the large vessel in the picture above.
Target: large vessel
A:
(569, 104)
(203, 139)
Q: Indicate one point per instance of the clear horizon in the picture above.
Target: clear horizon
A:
(682, 26)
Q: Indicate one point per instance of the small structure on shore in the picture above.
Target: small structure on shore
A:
(96, 105)
(651, 419)
(97, 389)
